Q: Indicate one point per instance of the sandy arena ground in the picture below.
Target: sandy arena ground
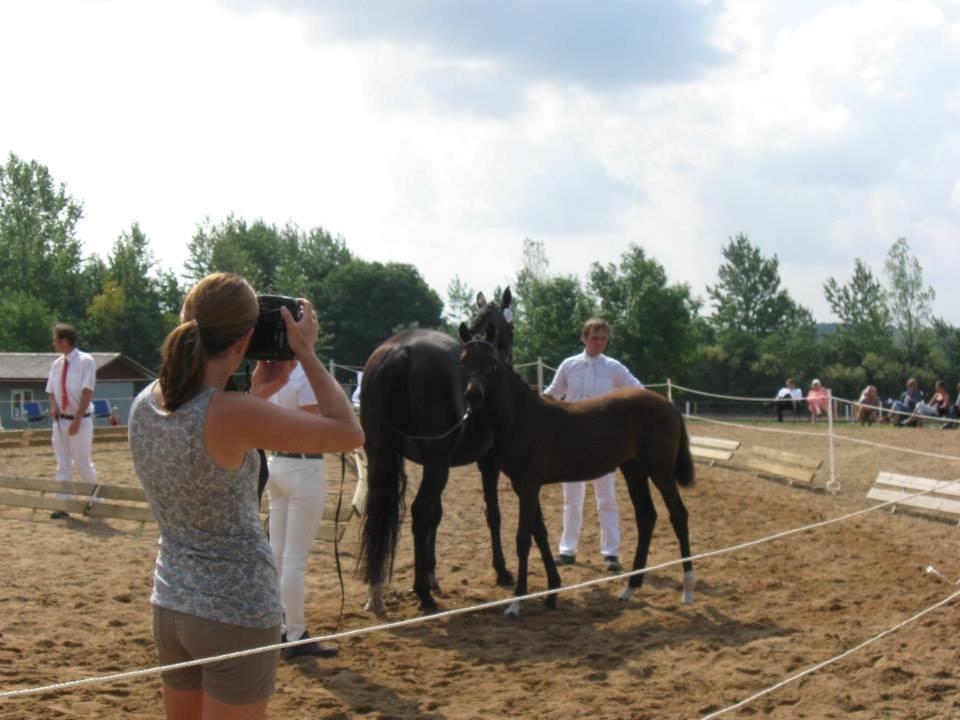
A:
(74, 603)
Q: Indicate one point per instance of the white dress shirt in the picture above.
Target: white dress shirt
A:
(81, 375)
(582, 376)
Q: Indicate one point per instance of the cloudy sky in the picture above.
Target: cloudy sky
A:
(444, 133)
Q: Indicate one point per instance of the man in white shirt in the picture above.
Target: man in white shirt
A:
(790, 397)
(589, 374)
(72, 380)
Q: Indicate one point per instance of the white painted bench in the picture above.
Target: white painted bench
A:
(123, 503)
(942, 497)
(710, 450)
(781, 465)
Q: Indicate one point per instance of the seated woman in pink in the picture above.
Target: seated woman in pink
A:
(816, 400)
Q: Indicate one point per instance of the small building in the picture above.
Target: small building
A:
(23, 377)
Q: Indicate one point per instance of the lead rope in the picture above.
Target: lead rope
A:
(336, 540)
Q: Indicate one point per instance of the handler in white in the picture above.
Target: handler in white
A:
(72, 380)
(589, 374)
(297, 489)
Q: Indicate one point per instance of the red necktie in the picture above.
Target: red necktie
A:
(65, 402)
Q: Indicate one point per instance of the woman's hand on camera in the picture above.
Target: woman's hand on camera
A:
(269, 376)
(301, 334)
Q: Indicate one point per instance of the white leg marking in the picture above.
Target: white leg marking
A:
(375, 602)
(689, 584)
(627, 594)
(513, 610)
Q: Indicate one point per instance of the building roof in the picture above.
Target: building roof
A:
(35, 367)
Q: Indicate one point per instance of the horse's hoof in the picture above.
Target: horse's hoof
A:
(627, 594)
(550, 602)
(689, 584)
(434, 583)
(513, 610)
(377, 608)
(505, 578)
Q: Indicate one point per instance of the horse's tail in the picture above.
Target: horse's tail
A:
(685, 471)
(386, 479)
(386, 489)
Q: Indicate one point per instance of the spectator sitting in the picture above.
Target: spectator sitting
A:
(788, 398)
(868, 405)
(938, 406)
(817, 400)
(953, 413)
(907, 402)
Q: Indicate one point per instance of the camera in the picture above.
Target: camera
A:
(269, 341)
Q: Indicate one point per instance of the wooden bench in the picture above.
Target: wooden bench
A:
(124, 503)
(942, 497)
(781, 465)
(41, 436)
(710, 450)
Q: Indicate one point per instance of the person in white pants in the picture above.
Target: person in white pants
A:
(297, 490)
(70, 386)
(589, 374)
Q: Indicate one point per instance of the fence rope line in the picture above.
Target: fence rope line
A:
(846, 438)
(455, 611)
(729, 423)
(836, 658)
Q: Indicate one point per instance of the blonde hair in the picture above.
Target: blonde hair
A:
(594, 324)
(216, 313)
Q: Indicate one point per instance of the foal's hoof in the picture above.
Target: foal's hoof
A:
(550, 602)
(627, 594)
(377, 607)
(429, 608)
(505, 578)
(689, 584)
(513, 610)
(434, 583)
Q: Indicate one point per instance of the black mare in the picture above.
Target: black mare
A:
(412, 406)
(538, 440)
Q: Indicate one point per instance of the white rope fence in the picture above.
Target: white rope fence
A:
(457, 611)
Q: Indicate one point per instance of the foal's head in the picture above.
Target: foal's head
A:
(479, 362)
(500, 318)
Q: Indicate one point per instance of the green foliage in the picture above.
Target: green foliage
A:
(25, 323)
(40, 255)
(461, 299)
(550, 315)
(909, 300)
(363, 303)
(284, 261)
(136, 306)
(747, 295)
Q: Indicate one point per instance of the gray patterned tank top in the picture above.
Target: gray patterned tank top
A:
(214, 559)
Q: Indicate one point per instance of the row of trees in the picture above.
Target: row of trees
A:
(755, 335)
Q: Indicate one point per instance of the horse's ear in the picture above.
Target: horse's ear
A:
(506, 298)
(465, 333)
(491, 332)
(481, 300)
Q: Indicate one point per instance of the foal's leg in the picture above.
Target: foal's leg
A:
(667, 485)
(527, 492)
(490, 471)
(549, 564)
(427, 512)
(646, 517)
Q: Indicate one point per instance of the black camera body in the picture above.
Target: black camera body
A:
(269, 341)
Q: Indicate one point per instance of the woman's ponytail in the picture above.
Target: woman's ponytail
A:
(183, 365)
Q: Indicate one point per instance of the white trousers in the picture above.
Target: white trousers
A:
(573, 496)
(297, 489)
(73, 451)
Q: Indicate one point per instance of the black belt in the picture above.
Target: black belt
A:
(70, 417)
(304, 456)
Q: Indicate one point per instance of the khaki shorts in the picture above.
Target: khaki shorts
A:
(239, 681)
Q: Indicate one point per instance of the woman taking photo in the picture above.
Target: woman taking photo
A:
(215, 584)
